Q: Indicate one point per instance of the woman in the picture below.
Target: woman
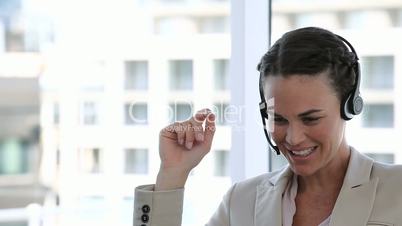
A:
(313, 77)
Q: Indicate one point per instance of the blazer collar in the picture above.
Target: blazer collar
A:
(353, 206)
(356, 198)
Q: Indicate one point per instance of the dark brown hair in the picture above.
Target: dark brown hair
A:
(311, 51)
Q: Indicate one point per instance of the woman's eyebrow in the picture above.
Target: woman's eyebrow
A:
(309, 112)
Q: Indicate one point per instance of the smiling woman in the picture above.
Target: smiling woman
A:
(308, 130)
(313, 77)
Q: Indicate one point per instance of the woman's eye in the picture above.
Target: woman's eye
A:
(279, 120)
(311, 119)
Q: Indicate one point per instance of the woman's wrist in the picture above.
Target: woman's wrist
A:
(170, 180)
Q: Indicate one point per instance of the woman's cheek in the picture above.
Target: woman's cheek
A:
(278, 135)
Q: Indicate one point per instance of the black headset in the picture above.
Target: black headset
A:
(350, 106)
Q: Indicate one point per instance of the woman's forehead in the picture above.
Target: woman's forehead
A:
(299, 84)
(299, 92)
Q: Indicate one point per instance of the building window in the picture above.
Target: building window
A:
(378, 115)
(174, 25)
(219, 24)
(221, 163)
(361, 19)
(181, 74)
(14, 41)
(89, 113)
(221, 74)
(223, 113)
(136, 75)
(58, 156)
(382, 157)
(136, 161)
(378, 72)
(91, 160)
(15, 157)
(136, 113)
(13, 223)
(56, 113)
(180, 111)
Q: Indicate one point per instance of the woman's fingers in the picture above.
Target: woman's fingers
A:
(197, 121)
(181, 133)
(189, 132)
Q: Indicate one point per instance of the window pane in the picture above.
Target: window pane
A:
(136, 161)
(221, 163)
(91, 160)
(181, 74)
(56, 113)
(181, 111)
(221, 74)
(378, 115)
(214, 24)
(136, 113)
(384, 158)
(14, 223)
(174, 25)
(14, 157)
(362, 19)
(89, 113)
(223, 113)
(378, 72)
(136, 75)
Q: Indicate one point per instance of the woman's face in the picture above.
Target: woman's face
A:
(308, 128)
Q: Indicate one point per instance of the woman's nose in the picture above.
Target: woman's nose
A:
(294, 135)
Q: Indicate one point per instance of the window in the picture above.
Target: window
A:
(221, 163)
(378, 115)
(56, 113)
(221, 74)
(89, 113)
(136, 113)
(136, 75)
(14, 41)
(181, 75)
(173, 25)
(180, 111)
(327, 20)
(91, 160)
(218, 24)
(378, 72)
(14, 157)
(382, 157)
(14, 223)
(136, 161)
(222, 112)
(362, 19)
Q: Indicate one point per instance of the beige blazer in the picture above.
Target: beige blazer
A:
(371, 195)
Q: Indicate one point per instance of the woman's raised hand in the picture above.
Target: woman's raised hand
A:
(182, 145)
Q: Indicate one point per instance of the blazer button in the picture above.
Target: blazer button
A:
(146, 208)
(145, 218)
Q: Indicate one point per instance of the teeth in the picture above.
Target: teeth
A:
(303, 152)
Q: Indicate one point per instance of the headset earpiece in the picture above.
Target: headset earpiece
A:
(353, 104)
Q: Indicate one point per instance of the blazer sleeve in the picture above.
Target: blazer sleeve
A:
(161, 208)
(165, 208)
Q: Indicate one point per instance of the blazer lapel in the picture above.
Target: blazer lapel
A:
(268, 206)
(356, 198)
